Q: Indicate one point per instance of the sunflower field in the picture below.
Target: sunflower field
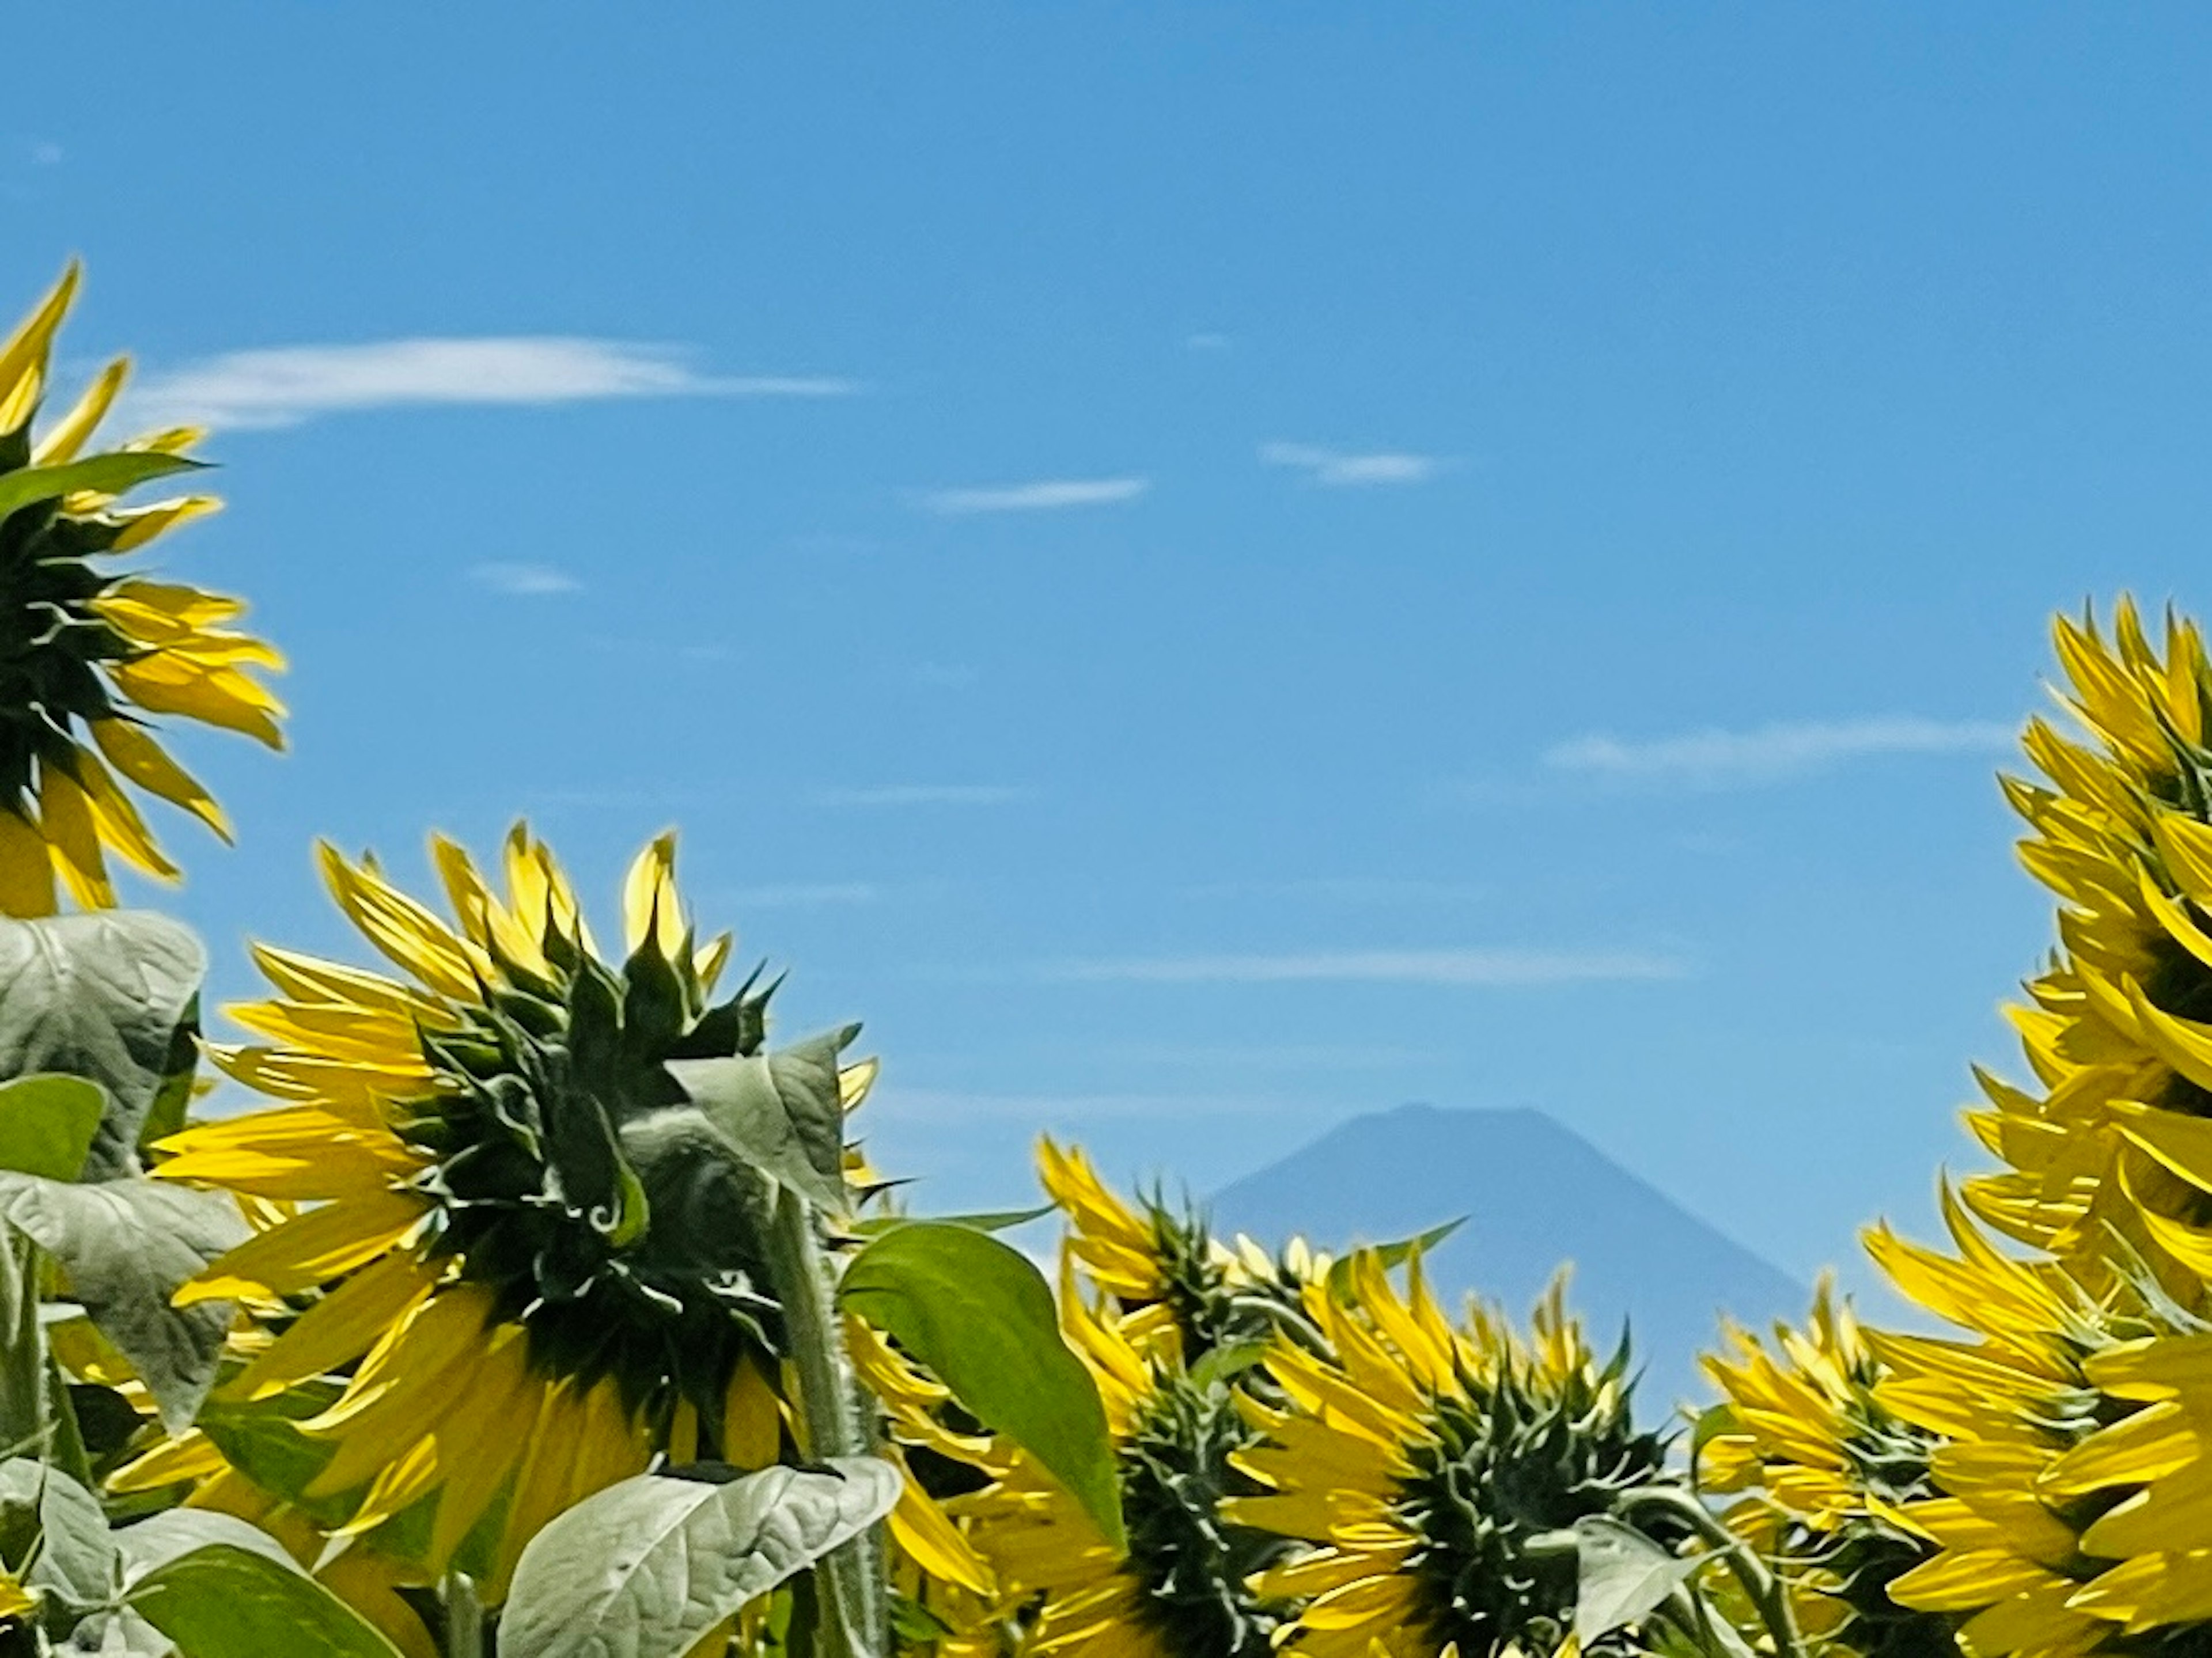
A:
(529, 1295)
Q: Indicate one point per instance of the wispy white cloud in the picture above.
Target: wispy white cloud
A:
(1485, 968)
(1046, 494)
(46, 154)
(805, 895)
(1339, 468)
(1773, 751)
(524, 581)
(925, 795)
(1206, 341)
(286, 384)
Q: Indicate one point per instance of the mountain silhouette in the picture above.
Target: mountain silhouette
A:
(1535, 1195)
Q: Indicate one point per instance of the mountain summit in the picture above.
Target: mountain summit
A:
(1535, 1195)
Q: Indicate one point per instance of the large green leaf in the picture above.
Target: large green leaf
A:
(781, 1111)
(979, 1315)
(1622, 1576)
(75, 1563)
(649, 1567)
(125, 1246)
(99, 996)
(160, 1537)
(223, 1602)
(110, 474)
(47, 1124)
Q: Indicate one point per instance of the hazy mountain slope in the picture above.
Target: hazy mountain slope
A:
(1534, 1194)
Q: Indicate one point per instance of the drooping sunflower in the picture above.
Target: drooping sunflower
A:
(1826, 1469)
(2111, 1140)
(524, 1264)
(87, 651)
(1420, 1461)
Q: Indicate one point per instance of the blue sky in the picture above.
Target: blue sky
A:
(1203, 569)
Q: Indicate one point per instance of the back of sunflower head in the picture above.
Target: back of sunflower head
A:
(2032, 1483)
(89, 652)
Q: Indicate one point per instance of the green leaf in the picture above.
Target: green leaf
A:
(76, 1563)
(46, 1124)
(160, 1537)
(779, 1111)
(173, 1100)
(1390, 1255)
(1621, 1577)
(1221, 1363)
(110, 474)
(993, 1220)
(26, 1418)
(99, 996)
(980, 1317)
(222, 1601)
(125, 1246)
(647, 1567)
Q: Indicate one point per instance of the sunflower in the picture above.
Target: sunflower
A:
(2075, 1512)
(1164, 1268)
(87, 651)
(2111, 1141)
(1184, 1589)
(523, 1266)
(1164, 1317)
(1421, 1461)
(1825, 1468)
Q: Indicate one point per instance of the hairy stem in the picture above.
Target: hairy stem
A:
(854, 1608)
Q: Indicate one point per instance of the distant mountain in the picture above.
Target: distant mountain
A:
(1534, 1194)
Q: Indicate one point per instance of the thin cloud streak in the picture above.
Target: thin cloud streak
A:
(1046, 495)
(1336, 469)
(288, 384)
(1780, 749)
(1495, 969)
(925, 795)
(525, 580)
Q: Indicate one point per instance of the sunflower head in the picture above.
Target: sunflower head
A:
(1161, 1263)
(1433, 1464)
(518, 1215)
(87, 650)
(1531, 1442)
(1196, 1565)
(557, 1131)
(1828, 1469)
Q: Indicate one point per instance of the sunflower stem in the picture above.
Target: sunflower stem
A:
(855, 1612)
(464, 1617)
(1767, 1592)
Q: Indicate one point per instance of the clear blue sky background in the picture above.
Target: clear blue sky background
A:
(1203, 569)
